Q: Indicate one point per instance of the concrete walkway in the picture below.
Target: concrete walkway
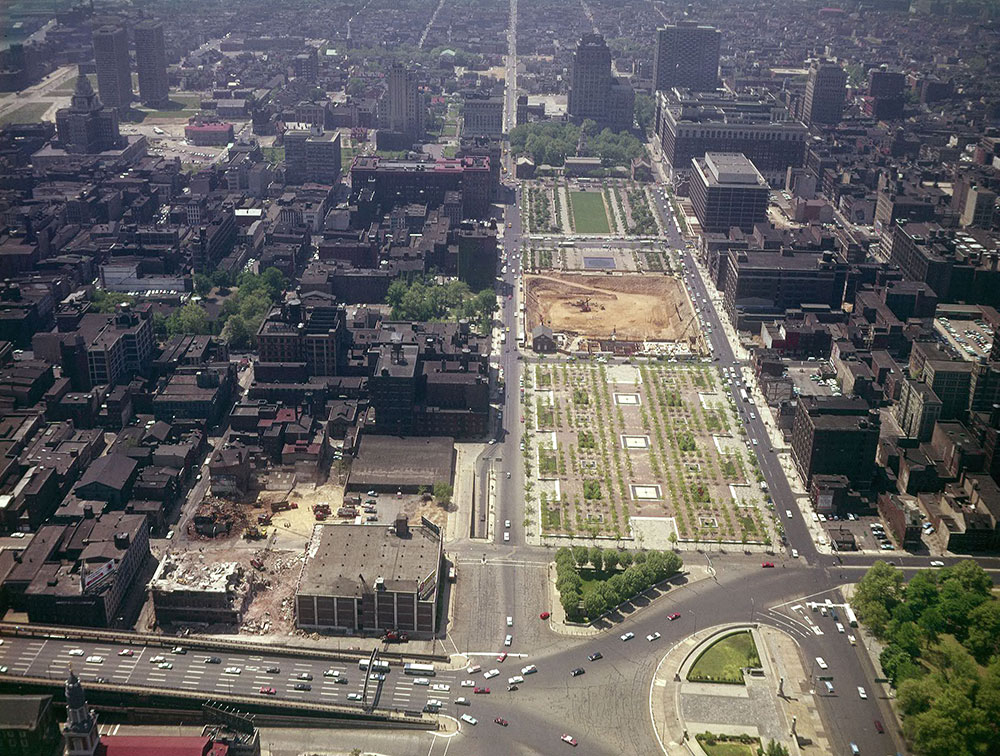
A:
(679, 710)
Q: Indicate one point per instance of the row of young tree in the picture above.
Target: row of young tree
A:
(941, 636)
(626, 574)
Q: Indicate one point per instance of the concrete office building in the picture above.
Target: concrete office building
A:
(371, 578)
(151, 63)
(590, 79)
(835, 436)
(405, 106)
(689, 124)
(114, 75)
(825, 92)
(312, 155)
(687, 55)
(482, 116)
(726, 191)
(594, 92)
(86, 127)
(764, 284)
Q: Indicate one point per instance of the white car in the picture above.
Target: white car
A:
(491, 674)
(463, 701)
(652, 636)
(529, 670)
(821, 662)
(468, 683)
(628, 636)
(937, 563)
(795, 553)
(232, 671)
(473, 669)
(155, 659)
(76, 652)
(442, 687)
(506, 536)
(506, 523)
(470, 719)
(510, 622)
(515, 680)
(788, 513)
(435, 703)
(861, 693)
(840, 627)
(852, 640)
(165, 665)
(353, 696)
(421, 681)
(507, 641)
(95, 659)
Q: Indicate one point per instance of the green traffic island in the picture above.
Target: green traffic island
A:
(592, 581)
(724, 660)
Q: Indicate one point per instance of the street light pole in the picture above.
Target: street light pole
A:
(752, 608)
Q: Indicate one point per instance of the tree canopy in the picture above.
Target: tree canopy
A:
(941, 635)
(427, 300)
(551, 143)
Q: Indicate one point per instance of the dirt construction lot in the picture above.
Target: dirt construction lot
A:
(653, 308)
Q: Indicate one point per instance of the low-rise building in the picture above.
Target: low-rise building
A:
(371, 578)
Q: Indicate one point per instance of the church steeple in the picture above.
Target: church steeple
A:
(80, 734)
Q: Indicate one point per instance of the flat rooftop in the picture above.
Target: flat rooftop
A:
(339, 555)
(389, 461)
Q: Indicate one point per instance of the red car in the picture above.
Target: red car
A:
(544, 615)
(126, 652)
(481, 690)
(569, 739)
(267, 691)
(502, 657)
(673, 616)
(767, 564)
(501, 721)
(879, 727)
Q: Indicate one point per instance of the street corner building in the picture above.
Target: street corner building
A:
(371, 578)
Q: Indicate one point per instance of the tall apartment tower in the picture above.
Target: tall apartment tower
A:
(114, 76)
(687, 55)
(590, 81)
(825, 91)
(406, 106)
(151, 63)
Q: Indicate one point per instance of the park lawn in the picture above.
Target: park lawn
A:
(728, 749)
(724, 660)
(347, 158)
(69, 85)
(30, 113)
(591, 577)
(589, 213)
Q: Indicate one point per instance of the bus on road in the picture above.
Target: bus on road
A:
(378, 666)
(420, 670)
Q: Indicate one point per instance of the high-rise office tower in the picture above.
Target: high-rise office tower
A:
(114, 76)
(590, 80)
(687, 55)
(825, 90)
(86, 126)
(406, 105)
(151, 63)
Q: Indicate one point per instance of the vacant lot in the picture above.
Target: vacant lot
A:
(588, 213)
(724, 660)
(653, 308)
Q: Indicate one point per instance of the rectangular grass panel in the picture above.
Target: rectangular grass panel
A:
(589, 213)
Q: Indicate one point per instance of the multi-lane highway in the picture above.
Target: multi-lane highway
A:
(219, 673)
